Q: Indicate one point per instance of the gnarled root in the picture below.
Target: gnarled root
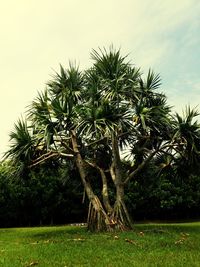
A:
(120, 217)
(98, 220)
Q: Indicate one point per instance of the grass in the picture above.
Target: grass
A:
(148, 245)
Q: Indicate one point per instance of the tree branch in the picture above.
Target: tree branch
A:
(96, 142)
(140, 167)
(147, 160)
(36, 162)
(49, 155)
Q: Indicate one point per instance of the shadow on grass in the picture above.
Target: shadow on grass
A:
(75, 231)
(70, 232)
(9, 231)
(177, 227)
(59, 233)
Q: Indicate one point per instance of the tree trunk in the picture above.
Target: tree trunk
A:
(98, 219)
(120, 213)
(104, 192)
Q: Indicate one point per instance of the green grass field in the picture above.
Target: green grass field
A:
(148, 245)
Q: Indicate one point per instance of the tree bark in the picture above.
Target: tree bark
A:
(120, 213)
(98, 219)
(105, 194)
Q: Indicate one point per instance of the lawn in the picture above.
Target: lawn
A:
(148, 245)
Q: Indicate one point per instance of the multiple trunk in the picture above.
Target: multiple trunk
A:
(102, 216)
(120, 213)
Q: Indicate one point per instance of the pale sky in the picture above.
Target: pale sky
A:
(37, 35)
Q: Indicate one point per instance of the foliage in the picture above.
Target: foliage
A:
(55, 197)
(155, 196)
(44, 196)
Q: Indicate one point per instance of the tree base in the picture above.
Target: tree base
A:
(100, 221)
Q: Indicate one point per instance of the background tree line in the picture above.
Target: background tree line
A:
(55, 196)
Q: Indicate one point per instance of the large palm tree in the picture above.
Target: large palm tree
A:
(102, 111)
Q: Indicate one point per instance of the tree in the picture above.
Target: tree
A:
(92, 118)
(47, 194)
(187, 130)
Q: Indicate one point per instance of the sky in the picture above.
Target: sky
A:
(38, 35)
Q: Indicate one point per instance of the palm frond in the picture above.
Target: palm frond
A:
(22, 142)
